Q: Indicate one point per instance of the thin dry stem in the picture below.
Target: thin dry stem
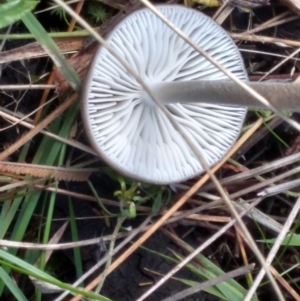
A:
(26, 87)
(209, 283)
(20, 120)
(43, 286)
(270, 166)
(14, 114)
(193, 254)
(275, 22)
(173, 209)
(294, 53)
(244, 255)
(285, 284)
(275, 248)
(264, 39)
(39, 127)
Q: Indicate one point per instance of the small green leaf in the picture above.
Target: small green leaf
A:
(290, 240)
(13, 10)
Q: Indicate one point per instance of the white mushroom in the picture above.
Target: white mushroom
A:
(124, 125)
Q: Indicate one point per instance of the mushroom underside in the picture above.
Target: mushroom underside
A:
(127, 129)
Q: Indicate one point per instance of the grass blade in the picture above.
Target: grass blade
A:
(11, 285)
(25, 268)
(51, 48)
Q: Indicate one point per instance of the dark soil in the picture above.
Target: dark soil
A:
(125, 284)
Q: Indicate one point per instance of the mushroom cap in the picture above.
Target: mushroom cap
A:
(127, 130)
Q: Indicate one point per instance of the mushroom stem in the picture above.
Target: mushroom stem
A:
(283, 96)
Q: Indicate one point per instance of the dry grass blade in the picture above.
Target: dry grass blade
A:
(193, 254)
(254, 213)
(47, 172)
(210, 218)
(260, 217)
(243, 253)
(285, 284)
(264, 39)
(275, 248)
(274, 189)
(278, 20)
(280, 188)
(14, 117)
(34, 50)
(264, 183)
(223, 12)
(270, 166)
(26, 87)
(89, 198)
(268, 22)
(39, 127)
(202, 286)
(43, 286)
(62, 246)
(16, 184)
(281, 63)
(294, 5)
